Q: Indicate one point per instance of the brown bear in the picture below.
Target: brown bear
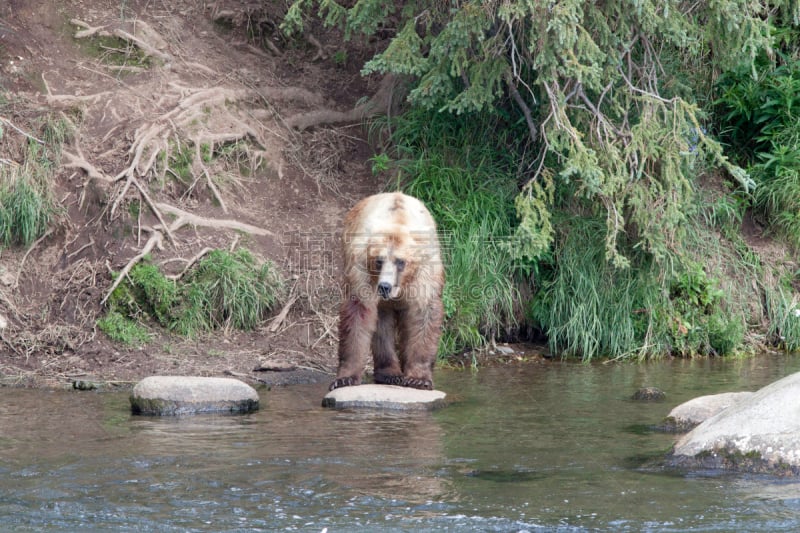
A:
(393, 280)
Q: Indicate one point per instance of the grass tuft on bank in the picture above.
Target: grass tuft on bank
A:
(28, 207)
(469, 187)
(225, 290)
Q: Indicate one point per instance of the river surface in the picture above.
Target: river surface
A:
(558, 446)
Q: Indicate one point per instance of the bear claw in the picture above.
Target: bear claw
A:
(418, 383)
(344, 382)
(388, 379)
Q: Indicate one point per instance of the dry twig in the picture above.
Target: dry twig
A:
(24, 257)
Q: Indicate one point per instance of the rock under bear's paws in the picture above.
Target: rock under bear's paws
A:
(388, 379)
(348, 381)
(418, 383)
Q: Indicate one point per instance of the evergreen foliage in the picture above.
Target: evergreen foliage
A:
(759, 115)
(599, 114)
(607, 119)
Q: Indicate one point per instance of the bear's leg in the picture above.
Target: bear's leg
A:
(421, 330)
(387, 366)
(357, 322)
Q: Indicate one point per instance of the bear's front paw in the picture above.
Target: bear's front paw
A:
(387, 379)
(418, 383)
(347, 381)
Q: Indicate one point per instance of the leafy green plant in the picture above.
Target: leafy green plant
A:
(339, 57)
(699, 325)
(380, 163)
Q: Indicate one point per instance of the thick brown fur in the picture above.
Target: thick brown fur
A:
(393, 280)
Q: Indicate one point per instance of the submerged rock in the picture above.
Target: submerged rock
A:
(689, 415)
(648, 394)
(384, 397)
(760, 433)
(185, 395)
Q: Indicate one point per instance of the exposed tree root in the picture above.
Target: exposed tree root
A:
(185, 218)
(152, 145)
(380, 102)
(155, 241)
(80, 162)
(11, 125)
(190, 263)
(276, 322)
(141, 34)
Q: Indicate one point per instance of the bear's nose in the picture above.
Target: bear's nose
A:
(384, 288)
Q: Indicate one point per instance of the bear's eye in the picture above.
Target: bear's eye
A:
(400, 264)
(378, 263)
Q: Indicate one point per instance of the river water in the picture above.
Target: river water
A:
(557, 445)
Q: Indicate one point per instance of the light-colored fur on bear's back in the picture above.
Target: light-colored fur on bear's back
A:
(394, 215)
(386, 211)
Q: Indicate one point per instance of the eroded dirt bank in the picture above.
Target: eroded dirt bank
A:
(179, 142)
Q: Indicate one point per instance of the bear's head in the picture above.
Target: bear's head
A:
(391, 263)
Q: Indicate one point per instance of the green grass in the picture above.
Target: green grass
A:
(588, 308)
(123, 329)
(228, 290)
(225, 290)
(469, 187)
(27, 204)
(26, 207)
(783, 310)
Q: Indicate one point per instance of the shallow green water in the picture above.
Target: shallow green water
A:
(557, 445)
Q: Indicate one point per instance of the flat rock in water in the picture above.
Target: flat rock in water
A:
(690, 414)
(759, 434)
(384, 397)
(186, 395)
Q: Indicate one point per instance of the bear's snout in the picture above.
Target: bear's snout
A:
(384, 289)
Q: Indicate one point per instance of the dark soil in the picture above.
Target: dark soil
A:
(51, 293)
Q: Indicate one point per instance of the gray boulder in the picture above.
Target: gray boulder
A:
(757, 434)
(690, 414)
(185, 395)
(384, 397)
